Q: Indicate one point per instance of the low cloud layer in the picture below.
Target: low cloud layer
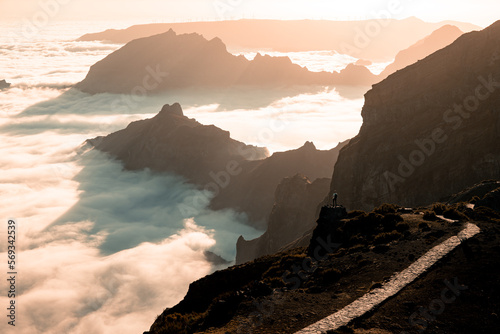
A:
(120, 250)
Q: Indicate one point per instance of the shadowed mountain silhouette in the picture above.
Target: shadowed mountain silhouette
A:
(172, 142)
(428, 130)
(239, 175)
(169, 61)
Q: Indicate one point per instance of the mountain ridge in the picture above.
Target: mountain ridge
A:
(418, 143)
(170, 61)
(242, 177)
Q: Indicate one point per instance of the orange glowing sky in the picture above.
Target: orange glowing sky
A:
(480, 12)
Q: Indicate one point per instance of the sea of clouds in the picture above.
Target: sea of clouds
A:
(101, 249)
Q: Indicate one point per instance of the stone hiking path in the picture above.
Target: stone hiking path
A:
(392, 287)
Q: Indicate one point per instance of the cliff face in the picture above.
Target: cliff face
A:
(169, 61)
(429, 130)
(293, 214)
(253, 190)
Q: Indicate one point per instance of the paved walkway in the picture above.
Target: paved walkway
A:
(392, 287)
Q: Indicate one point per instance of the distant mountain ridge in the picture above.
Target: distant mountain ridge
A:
(169, 61)
(298, 35)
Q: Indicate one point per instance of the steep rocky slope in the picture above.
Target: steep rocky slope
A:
(475, 192)
(294, 212)
(351, 255)
(429, 130)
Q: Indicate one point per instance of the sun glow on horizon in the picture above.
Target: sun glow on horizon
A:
(479, 12)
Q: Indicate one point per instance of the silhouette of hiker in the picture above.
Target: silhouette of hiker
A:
(335, 199)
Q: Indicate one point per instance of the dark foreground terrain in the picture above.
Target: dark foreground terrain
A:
(349, 255)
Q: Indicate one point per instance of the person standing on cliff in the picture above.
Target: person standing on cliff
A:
(335, 199)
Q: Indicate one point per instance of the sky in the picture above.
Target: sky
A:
(480, 12)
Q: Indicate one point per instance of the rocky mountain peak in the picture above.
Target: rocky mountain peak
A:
(308, 145)
(174, 109)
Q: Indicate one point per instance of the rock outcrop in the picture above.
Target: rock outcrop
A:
(241, 176)
(328, 225)
(356, 75)
(476, 191)
(293, 215)
(169, 61)
(4, 84)
(491, 200)
(429, 130)
(439, 39)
